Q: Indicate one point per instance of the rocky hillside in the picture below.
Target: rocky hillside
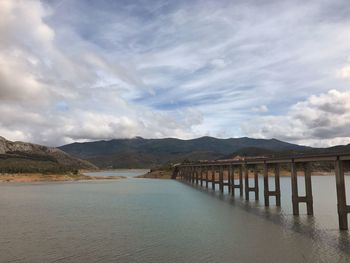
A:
(20, 157)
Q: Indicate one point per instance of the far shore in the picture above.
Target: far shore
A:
(156, 174)
(114, 169)
(37, 177)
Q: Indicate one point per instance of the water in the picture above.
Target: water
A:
(121, 172)
(145, 220)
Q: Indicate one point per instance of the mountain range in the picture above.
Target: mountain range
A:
(145, 153)
(139, 153)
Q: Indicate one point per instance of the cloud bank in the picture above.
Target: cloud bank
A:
(320, 120)
(78, 70)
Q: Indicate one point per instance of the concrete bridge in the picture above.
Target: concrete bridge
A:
(201, 173)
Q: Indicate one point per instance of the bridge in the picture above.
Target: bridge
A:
(213, 172)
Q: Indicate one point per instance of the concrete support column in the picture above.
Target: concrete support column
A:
(230, 178)
(213, 178)
(192, 175)
(206, 177)
(233, 185)
(255, 188)
(256, 183)
(240, 174)
(296, 199)
(246, 179)
(266, 185)
(221, 178)
(240, 177)
(294, 184)
(343, 208)
(267, 192)
(277, 184)
(308, 189)
(201, 175)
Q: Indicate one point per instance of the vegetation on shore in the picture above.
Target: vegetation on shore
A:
(33, 163)
(25, 162)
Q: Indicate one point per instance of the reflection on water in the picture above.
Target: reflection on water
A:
(142, 220)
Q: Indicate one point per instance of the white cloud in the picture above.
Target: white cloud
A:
(88, 71)
(321, 120)
(344, 72)
(37, 75)
(262, 108)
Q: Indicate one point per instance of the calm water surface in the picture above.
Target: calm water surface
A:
(143, 220)
(126, 172)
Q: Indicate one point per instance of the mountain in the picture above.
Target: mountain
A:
(144, 153)
(19, 157)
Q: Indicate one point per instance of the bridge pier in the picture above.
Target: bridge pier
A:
(221, 179)
(213, 177)
(228, 169)
(267, 192)
(193, 175)
(229, 178)
(240, 184)
(296, 199)
(206, 177)
(343, 208)
(200, 175)
(255, 188)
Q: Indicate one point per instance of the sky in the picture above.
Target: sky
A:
(84, 70)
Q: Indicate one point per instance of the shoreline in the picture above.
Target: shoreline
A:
(156, 174)
(113, 170)
(37, 177)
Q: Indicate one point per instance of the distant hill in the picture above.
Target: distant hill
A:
(22, 157)
(144, 153)
(253, 151)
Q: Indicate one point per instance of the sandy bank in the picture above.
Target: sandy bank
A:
(37, 177)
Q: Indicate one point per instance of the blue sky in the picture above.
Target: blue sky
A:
(82, 70)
